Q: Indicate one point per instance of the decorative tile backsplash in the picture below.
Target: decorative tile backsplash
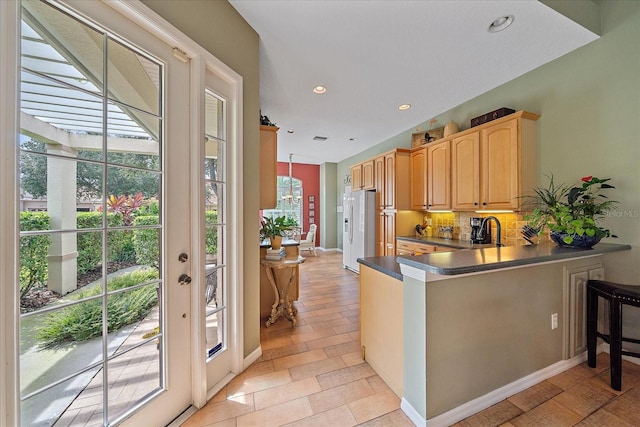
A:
(511, 224)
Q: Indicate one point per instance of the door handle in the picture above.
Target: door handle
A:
(184, 279)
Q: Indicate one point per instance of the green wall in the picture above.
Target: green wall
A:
(590, 125)
(217, 26)
(328, 202)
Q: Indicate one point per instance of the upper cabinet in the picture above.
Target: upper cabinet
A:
(378, 179)
(362, 176)
(489, 167)
(418, 183)
(465, 172)
(268, 166)
(397, 179)
(439, 176)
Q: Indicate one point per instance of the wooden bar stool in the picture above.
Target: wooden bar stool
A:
(617, 295)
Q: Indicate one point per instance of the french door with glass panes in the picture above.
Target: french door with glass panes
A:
(104, 266)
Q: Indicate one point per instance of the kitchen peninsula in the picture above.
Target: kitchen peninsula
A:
(472, 327)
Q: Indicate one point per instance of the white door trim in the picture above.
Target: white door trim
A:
(9, 118)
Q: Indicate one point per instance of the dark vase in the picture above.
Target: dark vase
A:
(582, 242)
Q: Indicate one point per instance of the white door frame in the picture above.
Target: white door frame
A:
(201, 60)
(9, 117)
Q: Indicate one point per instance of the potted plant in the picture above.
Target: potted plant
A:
(571, 213)
(273, 229)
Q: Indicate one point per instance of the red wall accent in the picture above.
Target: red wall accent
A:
(310, 177)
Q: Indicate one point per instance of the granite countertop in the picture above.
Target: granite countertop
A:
(463, 262)
(450, 243)
(483, 259)
(384, 264)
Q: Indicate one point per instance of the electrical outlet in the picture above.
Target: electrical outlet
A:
(554, 321)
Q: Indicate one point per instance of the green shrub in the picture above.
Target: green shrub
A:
(84, 321)
(146, 241)
(211, 233)
(33, 250)
(90, 243)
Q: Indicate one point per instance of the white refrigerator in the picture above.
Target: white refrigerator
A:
(359, 235)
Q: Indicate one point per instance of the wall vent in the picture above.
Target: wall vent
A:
(320, 138)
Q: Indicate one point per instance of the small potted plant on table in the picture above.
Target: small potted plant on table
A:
(571, 213)
(273, 229)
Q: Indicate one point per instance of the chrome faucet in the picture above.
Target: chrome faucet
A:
(498, 234)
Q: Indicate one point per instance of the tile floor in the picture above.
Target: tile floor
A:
(314, 375)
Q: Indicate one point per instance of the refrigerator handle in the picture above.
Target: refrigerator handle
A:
(351, 223)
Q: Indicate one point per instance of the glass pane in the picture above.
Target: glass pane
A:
(133, 79)
(132, 315)
(53, 346)
(214, 116)
(48, 183)
(61, 47)
(215, 310)
(74, 402)
(133, 132)
(131, 192)
(214, 162)
(142, 367)
(61, 106)
(146, 242)
(214, 192)
(213, 243)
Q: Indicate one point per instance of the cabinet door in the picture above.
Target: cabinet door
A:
(268, 167)
(379, 177)
(390, 180)
(439, 176)
(380, 234)
(418, 181)
(465, 172)
(356, 177)
(500, 184)
(390, 234)
(367, 176)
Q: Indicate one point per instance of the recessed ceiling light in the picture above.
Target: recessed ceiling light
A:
(319, 89)
(501, 23)
(404, 107)
(290, 131)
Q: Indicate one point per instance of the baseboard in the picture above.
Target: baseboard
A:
(483, 402)
(255, 355)
(413, 415)
(328, 249)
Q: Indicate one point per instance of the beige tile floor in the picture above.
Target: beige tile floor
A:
(314, 375)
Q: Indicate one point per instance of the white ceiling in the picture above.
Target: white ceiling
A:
(375, 55)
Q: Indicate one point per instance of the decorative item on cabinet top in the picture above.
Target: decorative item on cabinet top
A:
(492, 115)
(423, 137)
(451, 128)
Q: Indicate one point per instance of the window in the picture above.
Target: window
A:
(289, 199)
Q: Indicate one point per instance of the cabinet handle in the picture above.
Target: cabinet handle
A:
(484, 203)
(475, 204)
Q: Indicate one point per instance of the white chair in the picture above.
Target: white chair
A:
(309, 243)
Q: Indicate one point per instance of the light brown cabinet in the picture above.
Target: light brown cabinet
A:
(418, 182)
(362, 176)
(465, 172)
(389, 175)
(439, 176)
(378, 175)
(268, 166)
(405, 247)
(494, 164)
